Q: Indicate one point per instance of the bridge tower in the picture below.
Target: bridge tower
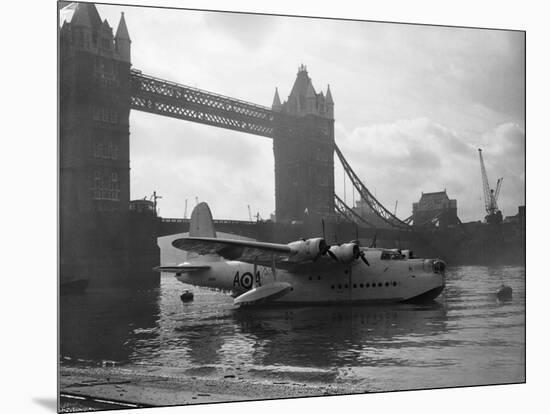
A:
(303, 146)
(94, 181)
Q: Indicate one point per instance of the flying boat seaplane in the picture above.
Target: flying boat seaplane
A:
(304, 271)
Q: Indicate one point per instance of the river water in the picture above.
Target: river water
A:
(467, 337)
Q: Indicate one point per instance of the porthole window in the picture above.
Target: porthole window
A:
(339, 286)
(354, 286)
(332, 287)
(387, 284)
(361, 285)
(310, 278)
(394, 283)
(345, 286)
(380, 284)
(318, 277)
(367, 285)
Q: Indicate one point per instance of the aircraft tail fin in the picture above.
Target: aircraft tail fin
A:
(201, 224)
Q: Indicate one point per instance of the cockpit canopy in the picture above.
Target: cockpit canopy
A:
(391, 255)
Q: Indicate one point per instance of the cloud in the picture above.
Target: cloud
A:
(182, 160)
(400, 160)
(247, 29)
(412, 105)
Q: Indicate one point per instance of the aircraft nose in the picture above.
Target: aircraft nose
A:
(439, 266)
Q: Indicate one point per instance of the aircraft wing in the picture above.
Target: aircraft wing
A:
(263, 254)
(182, 268)
(242, 250)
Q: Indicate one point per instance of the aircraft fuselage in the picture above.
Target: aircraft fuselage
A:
(383, 281)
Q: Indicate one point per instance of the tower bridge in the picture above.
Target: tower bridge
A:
(98, 90)
(302, 130)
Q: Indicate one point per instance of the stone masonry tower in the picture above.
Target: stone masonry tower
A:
(303, 147)
(94, 181)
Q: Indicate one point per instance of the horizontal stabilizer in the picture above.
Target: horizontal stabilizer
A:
(182, 268)
(264, 293)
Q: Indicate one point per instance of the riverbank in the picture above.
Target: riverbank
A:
(145, 389)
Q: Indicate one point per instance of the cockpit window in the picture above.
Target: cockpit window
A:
(392, 256)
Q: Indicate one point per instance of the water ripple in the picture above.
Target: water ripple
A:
(467, 334)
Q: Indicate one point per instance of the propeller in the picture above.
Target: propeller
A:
(324, 248)
(358, 253)
(331, 254)
(363, 258)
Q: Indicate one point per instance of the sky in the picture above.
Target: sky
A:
(413, 103)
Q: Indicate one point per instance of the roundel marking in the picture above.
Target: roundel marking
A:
(246, 280)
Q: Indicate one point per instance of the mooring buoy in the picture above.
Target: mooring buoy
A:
(504, 293)
(186, 296)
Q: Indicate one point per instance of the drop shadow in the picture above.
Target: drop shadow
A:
(49, 403)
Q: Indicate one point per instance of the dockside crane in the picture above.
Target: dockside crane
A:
(494, 215)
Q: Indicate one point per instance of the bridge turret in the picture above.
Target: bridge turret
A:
(329, 104)
(105, 40)
(321, 104)
(122, 40)
(81, 17)
(276, 106)
(303, 148)
(94, 161)
(303, 100)
(311, 100)
(297, 103)
(81, 26)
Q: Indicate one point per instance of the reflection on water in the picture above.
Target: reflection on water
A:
(108, 325)
(466, 337)
(328, 336)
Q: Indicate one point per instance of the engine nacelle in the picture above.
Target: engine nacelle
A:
(439, 266)
(347, 252)
(307, 249)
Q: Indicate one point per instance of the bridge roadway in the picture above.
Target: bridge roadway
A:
(162, 97)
